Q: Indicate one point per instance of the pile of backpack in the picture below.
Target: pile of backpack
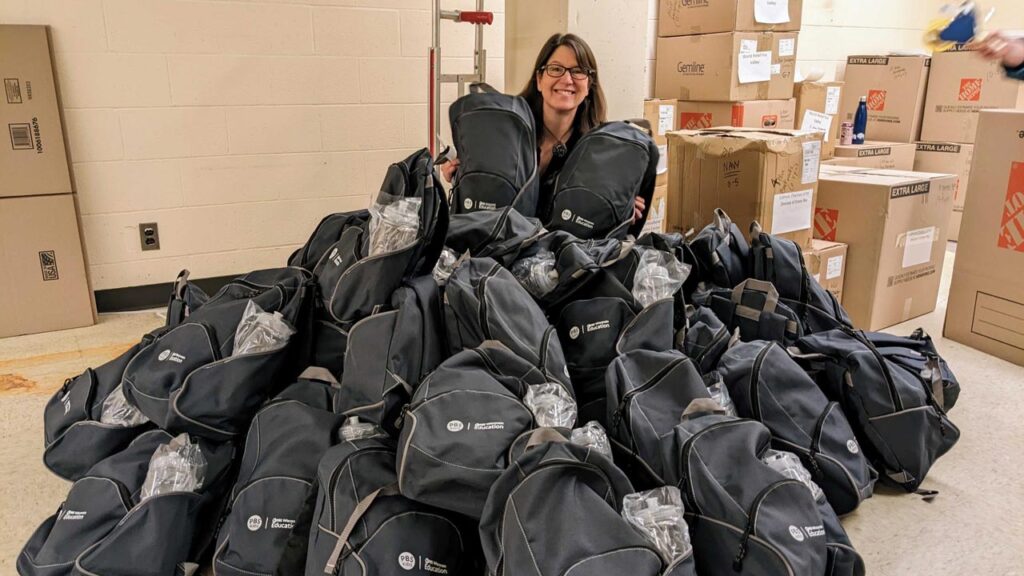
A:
(449, 385)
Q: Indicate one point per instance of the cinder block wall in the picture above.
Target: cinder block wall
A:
(236, 125)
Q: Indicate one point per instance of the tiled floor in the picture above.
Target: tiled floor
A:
(975, 526)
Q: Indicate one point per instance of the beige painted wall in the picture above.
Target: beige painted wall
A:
(236, 125)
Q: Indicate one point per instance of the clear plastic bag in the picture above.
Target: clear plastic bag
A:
(260, 331)
(790, 466)
(592, 435)
(118, 412)
(537, 273)
(354, 429)
(178, 466)
(394, 223)
(720, 393)
(552, 406)
(658, 515)
(658, 275)
(446, 264)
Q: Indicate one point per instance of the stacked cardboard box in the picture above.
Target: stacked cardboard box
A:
(661, 115)
(961, 85)
(879, 155)
(826, 263)
(43, 286)
(817, 109)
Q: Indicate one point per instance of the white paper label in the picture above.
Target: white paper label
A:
(755, 67)
(665, 117)
(792, 211)
(917, 248)
(816, 122)
(787, 47)
(776, 69)
(834, 268)
(812, 162)
(662, 159)
(832, 100)
(748, 46)
(771, 11)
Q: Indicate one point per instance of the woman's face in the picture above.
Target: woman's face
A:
(563, 94)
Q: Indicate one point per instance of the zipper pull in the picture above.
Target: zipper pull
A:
(400, 421)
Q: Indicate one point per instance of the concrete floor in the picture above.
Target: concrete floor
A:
(974, 527)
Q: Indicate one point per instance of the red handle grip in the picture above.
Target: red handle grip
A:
(477, 17)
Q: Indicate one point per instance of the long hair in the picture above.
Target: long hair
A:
(591, 111)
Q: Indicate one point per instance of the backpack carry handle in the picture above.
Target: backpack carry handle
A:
(643, 124)
(478, 87)
(341, 549)
(542, 435)
(754, 285)
(701, 407)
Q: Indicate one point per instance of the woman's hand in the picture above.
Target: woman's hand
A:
(997, 46)
(638, 208)
(448, 169)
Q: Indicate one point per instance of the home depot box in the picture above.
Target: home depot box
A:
(32, 156)
(960, 85)
(686, 17)
(729, 67)
(986, 298)
(656, 216)
(826, 263)
(753, 114)
(895, 88)
(44, 285)
(817, 107)
(877, 155)
(768, 176)
(895, 224)
(662, 116)
(951, 158)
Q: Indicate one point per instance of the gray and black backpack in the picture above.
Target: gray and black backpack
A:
(705, 338)
(285, 442)
(894, 410)
(557, 511)
(497, 234)
(722, 252)
(361, 525)
(916, 353)
(496, 142)
(767, 385)
(754, 308)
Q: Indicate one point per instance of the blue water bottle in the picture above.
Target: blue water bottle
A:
(860, 121)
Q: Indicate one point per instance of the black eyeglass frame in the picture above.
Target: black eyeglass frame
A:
(587, 73)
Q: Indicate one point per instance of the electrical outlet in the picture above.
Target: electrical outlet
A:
(149, 236)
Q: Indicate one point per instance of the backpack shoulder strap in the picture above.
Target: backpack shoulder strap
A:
(342, 549)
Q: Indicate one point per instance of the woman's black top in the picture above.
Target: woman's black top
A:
(550, 175)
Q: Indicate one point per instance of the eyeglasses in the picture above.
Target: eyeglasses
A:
(557, 71)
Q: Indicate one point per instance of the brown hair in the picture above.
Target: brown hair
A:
(591, 111)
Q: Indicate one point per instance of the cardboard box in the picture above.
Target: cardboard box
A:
(817, 108)
(656, 216)
(32, 156)
(769, 114)
(661, 175)
(877, 155)
(768, 176)
(44, 285)
(687, 17)
(951, 158)
(986, 298)
(662, 116)
(962, 84)
(895, 224)
(826, 263)
(729, 67)
(895, 88)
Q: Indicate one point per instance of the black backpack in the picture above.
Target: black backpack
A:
(326, 233)
(768, 386)
(744, 517)
(500, 234)
(894, 411)
(755, 309)
(722, 252)
(188, 380)
(496, 142)
(917, 353)
(102, 527)
(361, 525)
(285, 442)
(595, 189)
(705, 338)
(558, 511)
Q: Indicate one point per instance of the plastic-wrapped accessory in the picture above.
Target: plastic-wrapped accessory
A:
(552, 406)
(260, 331)
(446, 264)
(592, 435)
(178, 466)
(787, 464)
(354, 429)
(658, 515)
(118, 412)
(537, 273)
(394, 223)
(659, 275)
(719, 393)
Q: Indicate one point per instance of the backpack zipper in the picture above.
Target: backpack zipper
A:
(685, 457)
(813, 452)
(755, 377)
(621, 414)
(737, 562)
(896, 400)
(481, 287)
(336, 473)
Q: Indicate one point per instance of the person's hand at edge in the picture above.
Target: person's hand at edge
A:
(448, 169)
(638, 208)
(997, 46)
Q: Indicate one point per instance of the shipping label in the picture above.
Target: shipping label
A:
(832, 96)
(665, 113)
(755, 67)
(1011, 233)
(771, 11)
(811, 164)
(917, 246)
(787, 47)
(834, 268)
(816, 122)
(792, 211)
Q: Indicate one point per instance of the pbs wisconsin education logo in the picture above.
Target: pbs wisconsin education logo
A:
(455, 426)
(164, 355)
(566, 214)
(255, 523)
(467, 203)
(851, 445)
(574, 332)
(796, 533)
(407, 561)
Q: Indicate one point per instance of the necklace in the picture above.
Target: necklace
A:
(558, 150)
